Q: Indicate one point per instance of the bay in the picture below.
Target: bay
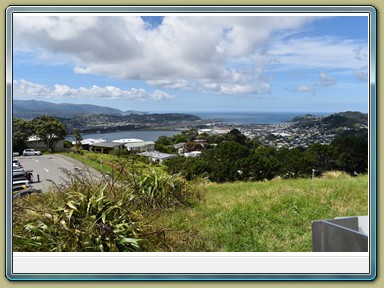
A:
(238, 118)
(234, 118)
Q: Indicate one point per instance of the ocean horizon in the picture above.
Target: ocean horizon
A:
(239, 118)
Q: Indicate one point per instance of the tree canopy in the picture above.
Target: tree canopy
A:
(49, 130)
(20, 134)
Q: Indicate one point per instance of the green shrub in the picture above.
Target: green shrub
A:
(87, 214)
(91, 219)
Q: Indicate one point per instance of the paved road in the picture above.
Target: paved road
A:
(48, 167)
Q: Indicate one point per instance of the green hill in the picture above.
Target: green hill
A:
(273, 216)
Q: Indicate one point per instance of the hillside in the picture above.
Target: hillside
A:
(273, 216)
(348, 123)
(29, 109)
(88, 123)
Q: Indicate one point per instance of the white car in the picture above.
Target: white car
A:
(31, 152)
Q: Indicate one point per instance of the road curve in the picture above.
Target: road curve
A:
(48, 168)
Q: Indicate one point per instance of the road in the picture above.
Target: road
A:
(48, 169)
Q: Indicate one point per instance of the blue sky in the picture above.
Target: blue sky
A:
(194, 63)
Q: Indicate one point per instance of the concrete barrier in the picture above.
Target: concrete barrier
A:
(347, 234)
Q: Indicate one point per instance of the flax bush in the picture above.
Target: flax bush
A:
(89, 218)
(87, 213)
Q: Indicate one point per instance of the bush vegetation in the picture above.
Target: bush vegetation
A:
(188, 204)
(91, 214)
(267, 216)
(236, 158)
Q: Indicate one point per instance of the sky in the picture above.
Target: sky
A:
(194, 63)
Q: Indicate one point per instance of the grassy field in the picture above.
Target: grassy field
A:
(270, 216)
(273, 216)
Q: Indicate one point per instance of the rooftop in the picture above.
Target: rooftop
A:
(157, 155)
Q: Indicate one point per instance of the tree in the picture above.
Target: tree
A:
(49, 130)
(261, 164)
(20, 133)
(351, 154)
(236, 136)
(295, 162)
(321, 155)
(78, 138)
(191, 134)
(164, 140)
(224, 161)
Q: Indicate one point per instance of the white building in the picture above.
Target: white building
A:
(141, 146)
(35, 142)
(157, 156)
(130, 140)
(192, 154)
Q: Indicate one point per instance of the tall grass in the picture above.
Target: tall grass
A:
(86, 214)
(272, 216)
(142, 208)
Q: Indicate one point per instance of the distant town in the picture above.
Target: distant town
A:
(300, 131)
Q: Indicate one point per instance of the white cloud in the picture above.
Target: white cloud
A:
(31, 89)
(24, 89)
(319, 53)
(306, 88)
(326, 80)
(194, 53)
(214, 54)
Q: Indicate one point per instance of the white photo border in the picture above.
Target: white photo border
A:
(234, 273)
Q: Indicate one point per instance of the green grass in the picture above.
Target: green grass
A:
(273, 216)
(93, 160)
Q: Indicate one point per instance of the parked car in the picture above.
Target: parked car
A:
(31, 152)
(20, 174)
(25, 192)
(15, 154)
(16, 163)
(20, 185)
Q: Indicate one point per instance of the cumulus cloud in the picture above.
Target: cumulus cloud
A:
(209, 54)
(193, 53)
(31, 89)
(323, 82)
(23, 88)
(326, 80)
(304, 88)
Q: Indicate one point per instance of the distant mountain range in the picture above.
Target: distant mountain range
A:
(29, 109)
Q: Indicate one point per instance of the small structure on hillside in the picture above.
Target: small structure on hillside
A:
(192, 154)
(141, 146)
(35, 142)
(105, 147)
(157, 156)
(128, 140)
(85, 143)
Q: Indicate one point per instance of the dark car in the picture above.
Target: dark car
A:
(25, 192)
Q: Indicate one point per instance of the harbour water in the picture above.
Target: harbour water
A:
(236, 118)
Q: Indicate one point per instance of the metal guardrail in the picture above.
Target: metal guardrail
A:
(340, 235)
